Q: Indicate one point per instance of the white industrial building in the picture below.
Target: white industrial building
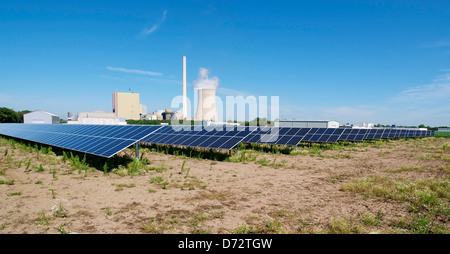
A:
(40, 117)
(364, 125)
(98, 117)
(307, 123)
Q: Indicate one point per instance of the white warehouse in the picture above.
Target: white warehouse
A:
(98, 117)
(41, 117)
(308, 123)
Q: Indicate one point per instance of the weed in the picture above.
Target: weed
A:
(342, 226)
(60, 209)
(61, 228)
(152, 227)
(16, 194)
(242, 229)
(182, 166)
(156, 180)
(159, 169)
(263, 161)
(187, 173)
(6, 182)
(42, 218)
(108, 211)
(164, 184)
(105, 168)
(54, 174)
(201, 231)
(27, 164)
(122, 185)
(53, 193)
(370, 220)
(40, 168)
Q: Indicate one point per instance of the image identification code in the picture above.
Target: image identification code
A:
(232, 243)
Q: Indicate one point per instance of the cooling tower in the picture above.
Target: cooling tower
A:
(206, 106)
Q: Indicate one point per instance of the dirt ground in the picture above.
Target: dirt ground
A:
(301, 192)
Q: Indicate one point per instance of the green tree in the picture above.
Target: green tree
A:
(8, 116)
(20, 114)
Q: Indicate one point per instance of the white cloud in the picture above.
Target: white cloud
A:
(445, 77)
(204, 82)
(431, 93)
(155, 27)
(150, 73)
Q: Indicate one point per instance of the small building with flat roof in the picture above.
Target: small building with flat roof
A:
(307, 123)
(40, 117)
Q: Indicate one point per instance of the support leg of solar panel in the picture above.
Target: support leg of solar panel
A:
(137, 151)
(237, 151)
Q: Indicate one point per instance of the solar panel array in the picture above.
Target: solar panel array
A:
(108, 140)
(292, 136)
(101, 140)
(198, 136)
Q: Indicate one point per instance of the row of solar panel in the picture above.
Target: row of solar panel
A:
(101, 140)
(293, 136)
(107, 140)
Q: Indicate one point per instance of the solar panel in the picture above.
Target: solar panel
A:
(101, 140)
(217, 137)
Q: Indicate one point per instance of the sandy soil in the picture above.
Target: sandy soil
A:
(289, 194)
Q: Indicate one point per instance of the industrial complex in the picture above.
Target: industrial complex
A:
(127, 106)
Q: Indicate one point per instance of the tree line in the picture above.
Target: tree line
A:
(8, 115)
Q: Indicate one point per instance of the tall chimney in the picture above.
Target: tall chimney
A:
(184, 88)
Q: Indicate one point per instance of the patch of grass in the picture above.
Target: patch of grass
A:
(42, 218)
(369, 219)
(156, 179)
(6, 182)
(15, 194)
(419, 224)
(124, 185)
(409, 168)
(40, 168)
(342, 226)
(424, 197)
(152, 227)
(159, 169)
(442, 134)
(263, 161)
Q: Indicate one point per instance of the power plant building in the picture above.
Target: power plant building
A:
(40, 117)
(127, 105)
(308, 123)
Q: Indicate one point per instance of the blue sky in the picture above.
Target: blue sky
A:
(385, 62)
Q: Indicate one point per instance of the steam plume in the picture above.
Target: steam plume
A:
(204, 82)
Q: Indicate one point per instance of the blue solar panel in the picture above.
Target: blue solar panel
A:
(217, 137)
(101, 140)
